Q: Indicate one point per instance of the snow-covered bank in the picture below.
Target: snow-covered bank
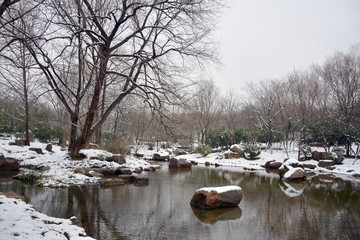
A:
(349, 169)
(57, 169)
(19, 220)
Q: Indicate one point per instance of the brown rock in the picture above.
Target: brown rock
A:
(178, 152)
(237, 149)
(8, 164)
(210, 200)
(116, 158)
(326, 163)
(12, 143)
(123, 171)
(319, 155)
(104, 171)
(137, 170)
(37, 150)
(179, 163)
(296, 174)
(49, 147)
(309, 165)
(207, 164)
(273, 164)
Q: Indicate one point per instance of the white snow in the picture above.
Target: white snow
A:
(19, 220)
(220, 189)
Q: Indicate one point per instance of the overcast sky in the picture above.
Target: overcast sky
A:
(267, 39)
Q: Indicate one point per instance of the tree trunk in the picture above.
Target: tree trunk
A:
(26, 99)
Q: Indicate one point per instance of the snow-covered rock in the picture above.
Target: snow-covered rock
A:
(217, 197)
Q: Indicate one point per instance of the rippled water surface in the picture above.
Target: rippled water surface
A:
(320, 208)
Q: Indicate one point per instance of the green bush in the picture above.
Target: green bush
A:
(29, 177)
(252, 150)
(337, 155)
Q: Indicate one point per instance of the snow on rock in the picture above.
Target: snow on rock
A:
(19, 220)
(220, 189)
(294, 173)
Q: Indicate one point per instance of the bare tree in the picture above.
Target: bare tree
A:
(341, 73)
(142, 45)
(230, 113)
(206, 104)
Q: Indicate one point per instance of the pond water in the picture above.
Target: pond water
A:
(320, 208)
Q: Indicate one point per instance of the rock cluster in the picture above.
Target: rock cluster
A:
(179, 163)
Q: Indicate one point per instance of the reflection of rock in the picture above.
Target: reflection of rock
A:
(214, 215)
(292, 189)
(326, 163)
(217, 197)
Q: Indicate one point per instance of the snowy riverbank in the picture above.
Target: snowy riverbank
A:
(57, 169)
(19, 220)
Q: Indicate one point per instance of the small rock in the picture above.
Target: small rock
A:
(178, 152)
(137, 170)
(74, 220)
(48, 147)
(309, 165)
(232, 155)
(217, 165)
(194, 163)
(116, 158)
(158, 157)
(12, 143)
(45, 168)
(207, 164)
(37, 150)
(20, 142)
(124, 171)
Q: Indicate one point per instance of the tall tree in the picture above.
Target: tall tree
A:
(142, 45)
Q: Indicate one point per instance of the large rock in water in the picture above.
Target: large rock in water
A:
(8, 164)
(179, 163)
(217, 197)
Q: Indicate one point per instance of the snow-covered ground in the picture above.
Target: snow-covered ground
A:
(61, 172)
(19, 220)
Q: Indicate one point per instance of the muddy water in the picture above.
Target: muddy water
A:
(320, 208)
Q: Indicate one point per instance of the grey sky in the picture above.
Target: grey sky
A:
(266, 39)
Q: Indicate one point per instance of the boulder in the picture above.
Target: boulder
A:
(116, 158)
(9, 164)
(231, 155)
(141, 180)
(109, 182)
(309, 165)
(37, 150)
(326, 163)
(179, 163)
(217, 197)
(48, 147)
(294, 174)
(237, 149)
(273, 164)
(94, 146)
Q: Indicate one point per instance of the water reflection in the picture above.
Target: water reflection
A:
(215, 215)
(270, 208)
